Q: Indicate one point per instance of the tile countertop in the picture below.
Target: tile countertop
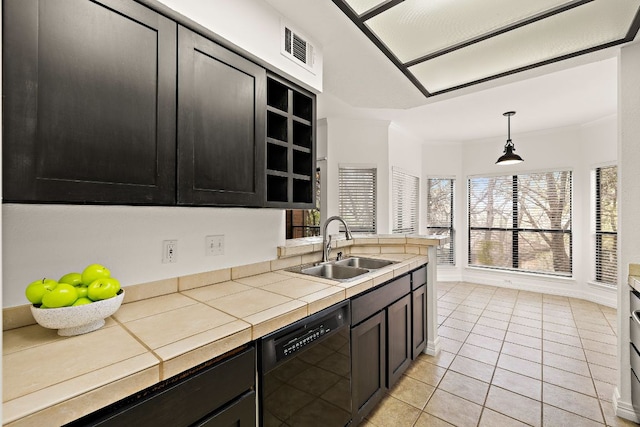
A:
(47, 378)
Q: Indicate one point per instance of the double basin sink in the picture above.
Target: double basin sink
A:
(344, 269)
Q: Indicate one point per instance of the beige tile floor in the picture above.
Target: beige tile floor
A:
(510, 358)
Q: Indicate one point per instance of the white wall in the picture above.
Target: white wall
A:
(579, 149)
(629, 208)
(254, 27)
(354, 142)
(51, 240)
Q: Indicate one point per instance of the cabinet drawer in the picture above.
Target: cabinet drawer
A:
(635, 383)
(635, 359)
(181, 400)
(634, 301)
(367, 305)
(242, 413)
(419, 277)
(634, 332)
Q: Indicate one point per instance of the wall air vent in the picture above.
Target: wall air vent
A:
(297, 47)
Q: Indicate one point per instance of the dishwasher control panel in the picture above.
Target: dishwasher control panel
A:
(298, 343)
(301, 335)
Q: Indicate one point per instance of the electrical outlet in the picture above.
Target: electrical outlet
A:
(214, 245)
(169, 251)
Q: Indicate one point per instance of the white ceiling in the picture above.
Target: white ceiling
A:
(361, 82)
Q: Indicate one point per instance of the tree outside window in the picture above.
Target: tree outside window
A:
(521, 222)
(440, 216)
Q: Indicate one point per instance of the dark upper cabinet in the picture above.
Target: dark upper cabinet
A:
(290, 145)
(89, 102)
(221, 125)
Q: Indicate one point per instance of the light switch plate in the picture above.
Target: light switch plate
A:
(214, 245)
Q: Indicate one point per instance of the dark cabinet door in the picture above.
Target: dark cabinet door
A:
(89, 102)
(221, 125)
(398, 339)
(193, 398)
(419, 320)
(368, 365)
(241, 413)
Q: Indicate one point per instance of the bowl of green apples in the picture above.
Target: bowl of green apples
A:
(77, 303)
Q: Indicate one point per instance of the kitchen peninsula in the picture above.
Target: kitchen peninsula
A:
(168, 327)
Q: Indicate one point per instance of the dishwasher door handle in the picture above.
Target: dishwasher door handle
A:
(636, 316)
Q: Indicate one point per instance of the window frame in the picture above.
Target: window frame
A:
(354, 225)
(514, 229)
(450, 258)
(596, 223)
(409, 203)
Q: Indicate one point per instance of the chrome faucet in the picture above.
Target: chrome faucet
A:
(326, 242)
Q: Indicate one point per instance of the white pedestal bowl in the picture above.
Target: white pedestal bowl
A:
(80, 319)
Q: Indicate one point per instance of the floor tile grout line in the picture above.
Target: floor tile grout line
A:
(542, 351)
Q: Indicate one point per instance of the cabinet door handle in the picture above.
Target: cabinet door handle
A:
(636, 316)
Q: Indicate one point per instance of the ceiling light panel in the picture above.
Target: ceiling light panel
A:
(415, 28)
(588, 26)
(361, 6)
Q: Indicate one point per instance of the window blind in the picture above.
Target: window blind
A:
(440, 216)
(521, 222)
(405, 191)
(357, 190)
(606, 223)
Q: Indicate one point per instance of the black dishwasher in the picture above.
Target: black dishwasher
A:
(305, 372)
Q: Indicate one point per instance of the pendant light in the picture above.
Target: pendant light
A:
(509, 157)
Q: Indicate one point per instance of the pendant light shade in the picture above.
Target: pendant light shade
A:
(509, 157)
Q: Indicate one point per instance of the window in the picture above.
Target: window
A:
(304, 222)
(606, 222)
(440, 216)
(521, 222)
(405, 190)
(357, 198)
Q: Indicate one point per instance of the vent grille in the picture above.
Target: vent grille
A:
(297, 48)
(287, 40)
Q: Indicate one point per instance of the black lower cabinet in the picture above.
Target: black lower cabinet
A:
(388, 331)
(242, 413)
(399, 341)
(419, 320)
(217, 393)
(368, 365)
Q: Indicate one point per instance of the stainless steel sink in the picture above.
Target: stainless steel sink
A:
(368, 263)
(334, 271)
(343, 270)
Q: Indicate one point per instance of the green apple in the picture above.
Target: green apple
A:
(82, 301)
(36, 290)
(93, 272)
(74, 279)
(62, 295)
(82, 291)
(103, 288)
